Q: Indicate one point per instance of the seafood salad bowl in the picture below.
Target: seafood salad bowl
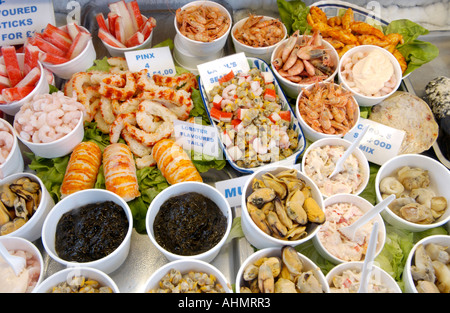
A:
(280, 206)
(283, 269)
(420, 184)
(24, 224)
(11, 156)
(302, 60)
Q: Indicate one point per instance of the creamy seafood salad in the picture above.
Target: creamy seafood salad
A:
(349, 281)
(320, 163)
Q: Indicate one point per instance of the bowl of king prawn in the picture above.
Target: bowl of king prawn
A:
(280, 206)
(302, 60)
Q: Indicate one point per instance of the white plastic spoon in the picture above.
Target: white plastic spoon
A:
(17, 263)
(340, 163)
(350, 231)
(368, 260)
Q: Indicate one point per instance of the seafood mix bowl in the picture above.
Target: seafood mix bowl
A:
(346, 278)
(426, 268)
(25, 224)
(172, 278)
(420, 184)
(79, 279)
(280, 206)
(285, 270)
(372, 73)
(89, 210)
(189, 220)
(322, 55)
(201, 43)
(12, 160)
(265, 28)
(41, 87)
(340, 116)
(33, 273)
(319, 161)
(343, 210)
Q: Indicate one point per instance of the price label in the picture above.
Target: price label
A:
(211, 72)
(155, 60)
(380, 144)
(20, 19)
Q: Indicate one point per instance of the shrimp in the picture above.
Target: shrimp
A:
(149, 112)
(54, 117)
(6, 140)
(46, 134)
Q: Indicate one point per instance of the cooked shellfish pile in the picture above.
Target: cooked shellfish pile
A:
(282, 206)
(81, 284)
(18, 202)
(280, 275)
(416, 201)
(430, 271)
(192, 282)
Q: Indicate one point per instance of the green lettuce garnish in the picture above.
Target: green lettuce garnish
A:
(293, 15)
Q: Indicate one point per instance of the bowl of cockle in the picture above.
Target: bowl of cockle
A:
(256, 124)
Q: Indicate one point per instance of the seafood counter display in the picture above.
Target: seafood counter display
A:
(129, 152)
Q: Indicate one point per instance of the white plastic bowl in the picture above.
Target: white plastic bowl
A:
(17, 243)
(410, 286)
(184, 266)
(378, 272)
(60, 147)
(308, 265)
(439, 180)
(199, 48)
(362, 159)
(179, 189)
(362, 99)
(293, 89)
(32, 229)
(67, 274)
(41, 87)
(106, 264)
(365, 206)
(14, 161)
(314, 135)
(263, 53)
(258, 238)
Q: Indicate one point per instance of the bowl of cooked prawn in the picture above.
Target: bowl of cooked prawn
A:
(301, 60)
(372, 73)
(203, 27)
(326, 110)
(50, 125)
(11, 160)
(258, 36)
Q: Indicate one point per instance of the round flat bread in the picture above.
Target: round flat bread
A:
(408, 112)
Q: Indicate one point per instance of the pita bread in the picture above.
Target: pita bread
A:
(408, 112)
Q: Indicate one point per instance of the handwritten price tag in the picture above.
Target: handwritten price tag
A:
(155, 60)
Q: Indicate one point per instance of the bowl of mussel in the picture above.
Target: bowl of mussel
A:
(24, 205)
(280, 206)
(280, 270)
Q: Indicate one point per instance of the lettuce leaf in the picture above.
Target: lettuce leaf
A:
(293, 15)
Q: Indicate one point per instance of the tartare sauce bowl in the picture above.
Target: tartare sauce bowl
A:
(313, 134)
(385, 279)
(364, 206)
(308, 265)
(67, 274)
(264, 53)
(363, 100)
(17, 243)
(200, 48)
(185, 266)
(32, 229)
(179, 189)
(257, 237)
(14, 161)
(293, 89)
(74, 201)
(439, 179)
(358, 154)
(410, 285)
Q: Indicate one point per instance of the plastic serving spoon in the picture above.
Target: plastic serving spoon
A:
(368, 260)
(16, 262)
(340, 163)
(349, 231)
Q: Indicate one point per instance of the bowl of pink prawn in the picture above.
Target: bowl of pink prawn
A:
(50, 125)
(11, 160)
